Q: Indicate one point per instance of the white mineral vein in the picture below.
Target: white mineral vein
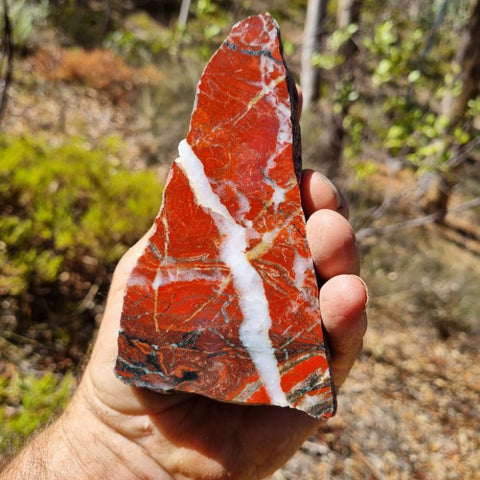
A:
(301, 267)
(284, 133)
(246, 280)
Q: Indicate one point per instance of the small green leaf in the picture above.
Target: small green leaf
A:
(414, 76)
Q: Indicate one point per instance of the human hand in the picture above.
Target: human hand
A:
(184, 436)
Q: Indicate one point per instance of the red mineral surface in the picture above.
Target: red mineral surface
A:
(223, 302)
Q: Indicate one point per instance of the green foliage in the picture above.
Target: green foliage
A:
(60, 203)
(29, 402)
(332, 57)
(355, 126)
(474, 107)
(412, 129)
(81, 23)
(206, 26)
(141, 39)
(202, 8)
(396, 53)
(24, 16)
(406, 84)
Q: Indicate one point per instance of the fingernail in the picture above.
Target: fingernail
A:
(367, 292)
(340, 199)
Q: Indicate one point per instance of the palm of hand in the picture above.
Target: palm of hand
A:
(187, 436)
(215, 437)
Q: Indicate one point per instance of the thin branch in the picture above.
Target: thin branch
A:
(463, 153)
(8, 55)
(379, 211)
(442, 12)
(415, 222)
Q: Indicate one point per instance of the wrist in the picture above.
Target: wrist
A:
(100, 451)
(79, 445)
(87, 443)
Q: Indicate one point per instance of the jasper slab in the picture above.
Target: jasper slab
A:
(223, 302)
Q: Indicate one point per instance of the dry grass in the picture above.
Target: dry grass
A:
(410, 407)
(100, 69)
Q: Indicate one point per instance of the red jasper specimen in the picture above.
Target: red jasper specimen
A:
(223, 302)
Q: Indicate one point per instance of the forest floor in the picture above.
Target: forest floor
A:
(409, 409)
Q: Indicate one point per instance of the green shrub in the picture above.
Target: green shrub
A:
(25, 16)
(61, 203)
(83, 25)
(27, 403)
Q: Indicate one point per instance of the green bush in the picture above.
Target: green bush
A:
(24, 16)
(60, 203)
(27, 403)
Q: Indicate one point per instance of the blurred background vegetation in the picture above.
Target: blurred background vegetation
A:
(94, 98)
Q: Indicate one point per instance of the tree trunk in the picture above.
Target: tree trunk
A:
(466, 66)
(183, 16)
(312, 34)
(7, 46)
(107, 17)
(348, 12)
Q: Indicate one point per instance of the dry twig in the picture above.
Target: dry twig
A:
(415, 222)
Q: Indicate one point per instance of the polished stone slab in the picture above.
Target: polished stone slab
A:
(223, 302)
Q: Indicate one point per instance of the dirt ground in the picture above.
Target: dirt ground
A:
(409, 409)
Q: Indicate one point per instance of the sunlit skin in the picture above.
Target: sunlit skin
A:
(111, 430)
(193, 437)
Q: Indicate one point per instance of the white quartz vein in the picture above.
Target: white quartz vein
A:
(284, 133)
(246, 280)
(301, 266)
(166, 276)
